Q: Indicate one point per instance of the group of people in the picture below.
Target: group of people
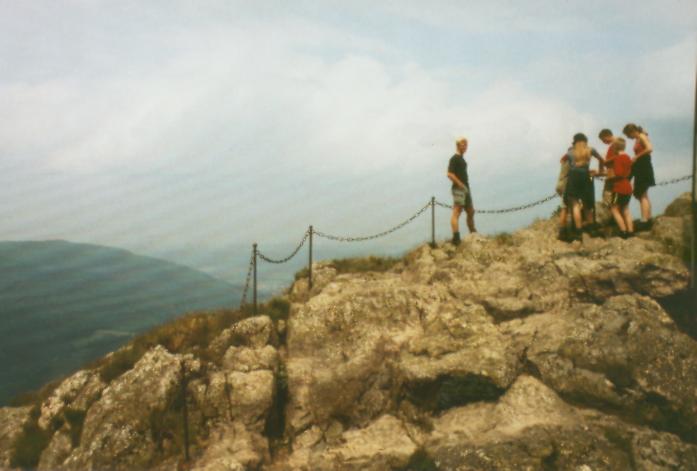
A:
(575, 184)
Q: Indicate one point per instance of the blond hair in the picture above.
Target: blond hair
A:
(461, 139)
(619, 144)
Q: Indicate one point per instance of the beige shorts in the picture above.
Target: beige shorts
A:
(462, 197)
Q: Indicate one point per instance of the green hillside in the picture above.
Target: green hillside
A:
(63, 304)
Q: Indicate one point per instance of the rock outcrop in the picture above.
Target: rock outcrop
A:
(12, 423)
(505, 353)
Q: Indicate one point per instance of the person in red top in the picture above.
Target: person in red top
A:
(621, 165)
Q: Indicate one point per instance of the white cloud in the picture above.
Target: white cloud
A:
(348, 113)
(664, 80)
(547, 16)
(236, 106)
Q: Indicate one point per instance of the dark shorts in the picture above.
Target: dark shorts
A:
(580, 186)
(462, 197)
(642, 171)
(620, 200)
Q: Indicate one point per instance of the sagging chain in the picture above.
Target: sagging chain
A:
(284, 260)
(243, 301)
(674, 180)
(548, 198)
(374, 236)
(505, 210)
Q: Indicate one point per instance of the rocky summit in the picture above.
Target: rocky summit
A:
(512, 352)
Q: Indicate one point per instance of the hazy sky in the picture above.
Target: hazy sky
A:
(166, 124)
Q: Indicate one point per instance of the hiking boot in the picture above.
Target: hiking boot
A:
(641, 226)
(563, 234)
(456, 238)
(593, 231)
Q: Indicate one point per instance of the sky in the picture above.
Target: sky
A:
(176, 127)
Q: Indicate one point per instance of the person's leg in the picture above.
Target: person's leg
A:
(645, 204)
(563, 222)
(628, 218)
(576, 213)
(617, 214)
(587, 216)
(454, 221)
(470, 219)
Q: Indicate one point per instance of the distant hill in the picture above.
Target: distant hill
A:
(63, 304)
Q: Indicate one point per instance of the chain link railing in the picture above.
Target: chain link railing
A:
(674, 180)
(374, 236)
(286, 259)
(505, 210)
(433, 203)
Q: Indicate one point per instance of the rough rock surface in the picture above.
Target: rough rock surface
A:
(530, 427)
(58, 450)
(234, 399)
(12, 421)
(505, 353)
(254, 332)
(233, 448)
(78, 391)
(117, 430)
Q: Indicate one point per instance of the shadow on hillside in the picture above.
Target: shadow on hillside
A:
(681, 308)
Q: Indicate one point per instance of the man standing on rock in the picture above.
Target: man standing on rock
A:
(462, 196)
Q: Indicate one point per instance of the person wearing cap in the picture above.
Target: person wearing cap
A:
(462, 196)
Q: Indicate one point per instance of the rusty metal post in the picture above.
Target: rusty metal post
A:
(693, 256)
(254, 287)
(185, 412)
(309, 263)
(433, 221)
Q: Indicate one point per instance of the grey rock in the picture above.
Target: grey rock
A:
(78, 391)
(117, 432)
(384, 444)
(625, 355)
(233, 448)
(12, 422)
(322, 275)
(254, 332)
(57, 451)
(530, 427)
(680, 207)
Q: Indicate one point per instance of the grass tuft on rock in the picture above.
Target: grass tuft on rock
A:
(357, 265)
(191, 333)
(504, 238)
(38, 396)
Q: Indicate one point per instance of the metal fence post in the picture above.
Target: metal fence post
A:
(254, 287)
(309, 263)
(693, 254)
(433, 221)
(185, 412)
